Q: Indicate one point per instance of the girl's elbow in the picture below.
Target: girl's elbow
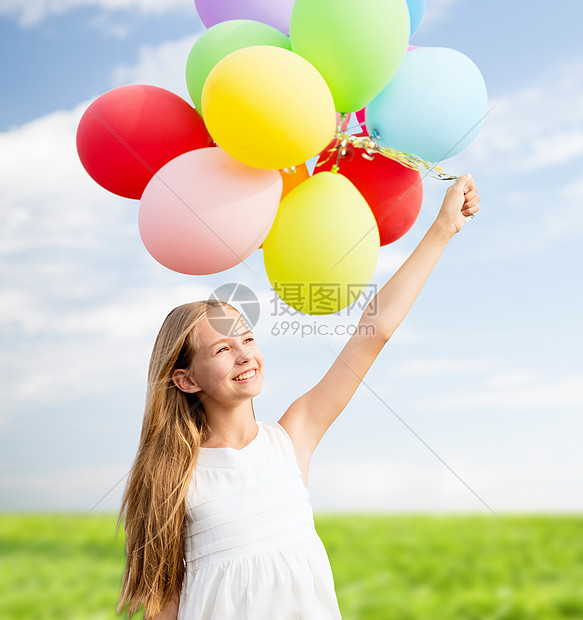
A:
(377, 332)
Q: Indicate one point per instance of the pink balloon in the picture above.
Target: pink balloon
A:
(204, 212)
(276, 13)
(412, 47)
(343, 124)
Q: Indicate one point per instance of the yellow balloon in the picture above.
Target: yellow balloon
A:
(322, 249)
(268, 107)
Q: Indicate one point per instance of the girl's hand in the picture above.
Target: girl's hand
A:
(461, 200)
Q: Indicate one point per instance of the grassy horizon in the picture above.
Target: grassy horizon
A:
(386, 566)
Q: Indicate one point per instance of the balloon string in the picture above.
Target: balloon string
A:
(370, 148)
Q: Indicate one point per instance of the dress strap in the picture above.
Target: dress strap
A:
(283, 440)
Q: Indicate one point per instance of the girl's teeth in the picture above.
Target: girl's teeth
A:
(246, 375)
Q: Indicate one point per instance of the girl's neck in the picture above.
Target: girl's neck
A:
(232, 428)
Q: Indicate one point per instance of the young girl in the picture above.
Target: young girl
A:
(216, 511)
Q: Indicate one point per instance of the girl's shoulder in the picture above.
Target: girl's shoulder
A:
(278, 436)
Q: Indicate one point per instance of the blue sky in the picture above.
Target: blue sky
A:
(486, 369)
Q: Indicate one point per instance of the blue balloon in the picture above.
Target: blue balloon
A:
(416, 12)
(433, 107)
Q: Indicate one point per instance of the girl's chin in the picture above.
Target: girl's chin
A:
(255, 388)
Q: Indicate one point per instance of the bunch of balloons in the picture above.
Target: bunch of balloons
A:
(270, 80)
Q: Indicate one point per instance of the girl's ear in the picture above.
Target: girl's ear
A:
(184, 382)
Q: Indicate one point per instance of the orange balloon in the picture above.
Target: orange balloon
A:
(291, 180)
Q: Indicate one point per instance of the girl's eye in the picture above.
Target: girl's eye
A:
(246, 340)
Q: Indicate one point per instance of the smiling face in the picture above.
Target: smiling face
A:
(227, 366)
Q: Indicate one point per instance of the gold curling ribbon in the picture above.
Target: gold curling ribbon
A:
(370, 148)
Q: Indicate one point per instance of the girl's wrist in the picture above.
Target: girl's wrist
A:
(442, 229)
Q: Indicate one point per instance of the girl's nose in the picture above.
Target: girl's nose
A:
(243, 356)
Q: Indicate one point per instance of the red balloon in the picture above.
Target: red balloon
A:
(126, 135)
(393, 192)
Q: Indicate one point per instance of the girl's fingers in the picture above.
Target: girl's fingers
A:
(471, 198)
(469, 183)
(465, 179)
(471, 202)
(470, 211)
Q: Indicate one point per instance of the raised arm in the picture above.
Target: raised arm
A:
(308, 417)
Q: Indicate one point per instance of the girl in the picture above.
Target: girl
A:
(217, 516)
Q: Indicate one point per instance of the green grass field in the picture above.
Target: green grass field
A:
(385, 567)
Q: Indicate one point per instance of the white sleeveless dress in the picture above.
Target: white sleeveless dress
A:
(251, 549)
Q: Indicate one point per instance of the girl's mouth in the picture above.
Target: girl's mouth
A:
(250, 375)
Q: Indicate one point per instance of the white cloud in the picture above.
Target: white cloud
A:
(537, 127)
(565, 223)
(514, 378)
(389, 261)
(406, 486)
(32, 12)
(527, 223)
(130, 314)
(49, 200)
(66, 351)
(436, 11)
(72, 488)
(64, 306)
(81, 298)
(443, 365)
(508, 393)
(163, 65)
(526, 163)
(110, 25)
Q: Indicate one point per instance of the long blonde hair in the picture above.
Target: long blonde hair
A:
(153, 506)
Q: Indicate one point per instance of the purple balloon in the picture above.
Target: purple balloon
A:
(276, 13)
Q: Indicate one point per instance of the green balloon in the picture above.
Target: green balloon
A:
(356, 46)
(221, 40)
